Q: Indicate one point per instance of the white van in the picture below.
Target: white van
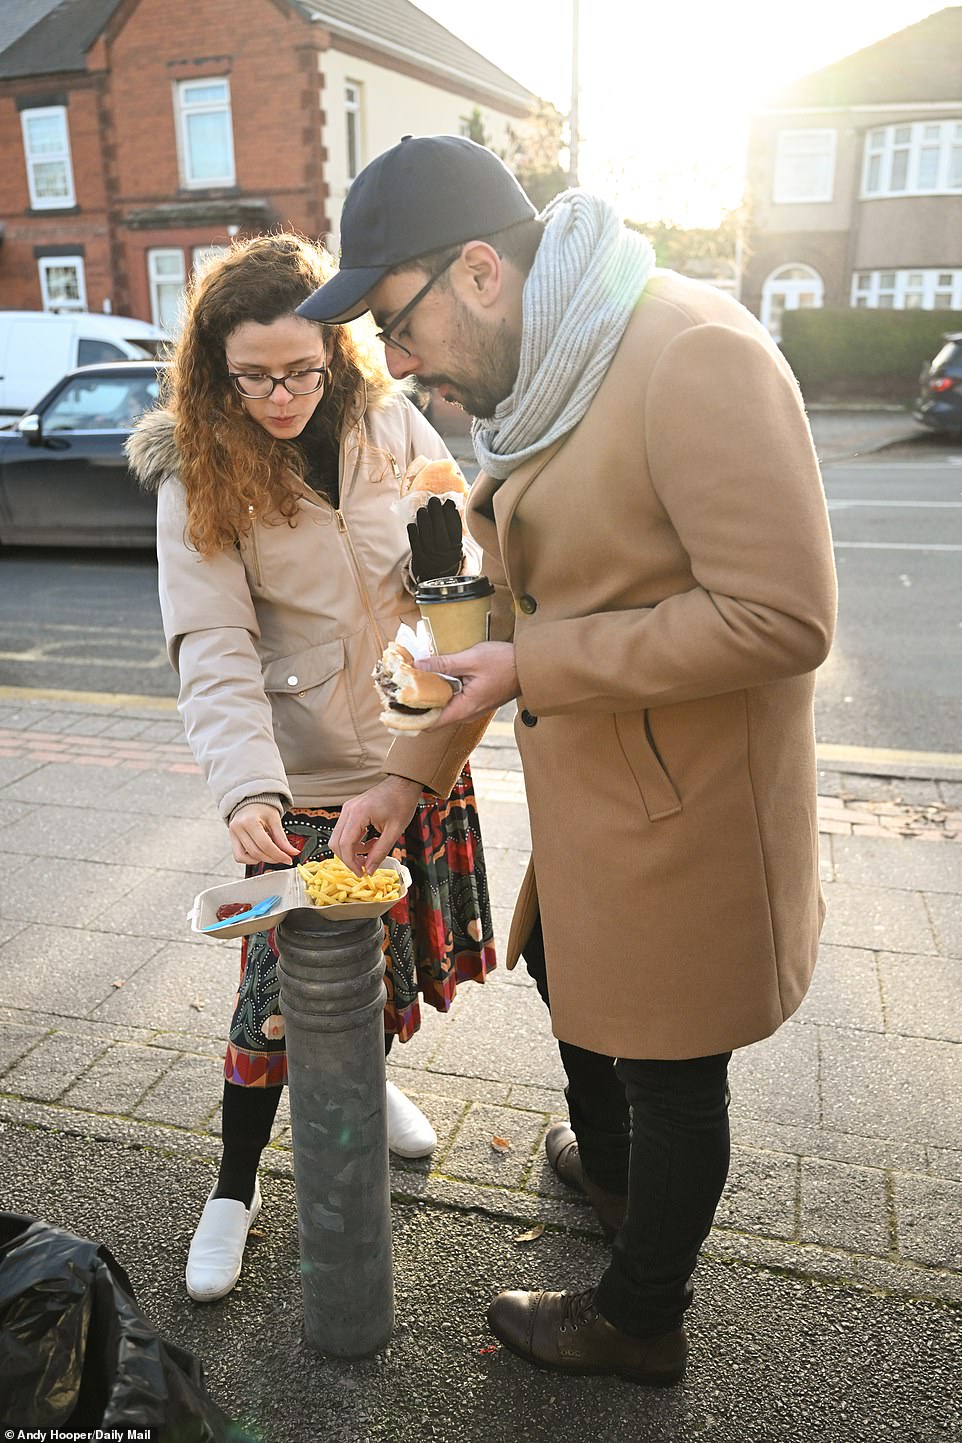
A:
(38, 347)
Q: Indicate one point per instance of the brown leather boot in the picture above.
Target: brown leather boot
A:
(566, 1331)
(561, 1147)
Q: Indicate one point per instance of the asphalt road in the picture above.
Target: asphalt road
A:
(89, 621)
(891, 680)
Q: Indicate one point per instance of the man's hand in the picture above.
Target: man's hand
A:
(387, 807)
(488, 675)
(257, 835)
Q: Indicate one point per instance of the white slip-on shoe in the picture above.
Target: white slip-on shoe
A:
(217, 1248)
(409, 1133)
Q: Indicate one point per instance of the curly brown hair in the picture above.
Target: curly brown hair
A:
(231, 468)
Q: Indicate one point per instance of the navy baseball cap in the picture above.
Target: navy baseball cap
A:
(425, 193)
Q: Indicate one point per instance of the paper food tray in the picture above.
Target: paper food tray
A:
(290, 884)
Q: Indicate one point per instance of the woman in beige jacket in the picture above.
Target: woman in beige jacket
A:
(284, 570)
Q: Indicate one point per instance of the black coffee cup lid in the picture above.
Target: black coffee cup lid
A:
(453, 588)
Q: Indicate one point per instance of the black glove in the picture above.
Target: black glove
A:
(435, 537)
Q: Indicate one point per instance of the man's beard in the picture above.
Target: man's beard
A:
(488, 357)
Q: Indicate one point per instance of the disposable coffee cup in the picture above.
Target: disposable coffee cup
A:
(456, 611)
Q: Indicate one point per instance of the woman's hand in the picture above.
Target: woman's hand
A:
(257, 835)
(436, 540)
(387, 807)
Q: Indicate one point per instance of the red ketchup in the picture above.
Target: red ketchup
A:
(231, 909)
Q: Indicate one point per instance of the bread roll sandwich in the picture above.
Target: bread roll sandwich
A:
(412, 699)
(440, 478)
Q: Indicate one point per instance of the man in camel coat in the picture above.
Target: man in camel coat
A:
(651, 513)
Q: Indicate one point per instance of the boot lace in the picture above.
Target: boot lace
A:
(577, 1310)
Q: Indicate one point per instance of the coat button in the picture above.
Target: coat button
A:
(527, 719)
(528, 604)
(292, 681)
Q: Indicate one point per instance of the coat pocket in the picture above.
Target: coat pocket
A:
(657, 789)
(310, 704)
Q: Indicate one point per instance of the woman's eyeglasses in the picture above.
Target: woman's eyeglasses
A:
(295, 383)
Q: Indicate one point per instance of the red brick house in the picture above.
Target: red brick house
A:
(139, 134)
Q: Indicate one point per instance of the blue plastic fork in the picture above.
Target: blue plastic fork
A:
(258, 910)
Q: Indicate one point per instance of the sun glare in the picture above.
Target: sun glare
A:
(666, 93)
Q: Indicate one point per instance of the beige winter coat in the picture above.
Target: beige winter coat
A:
(666, 574)
(274, 640)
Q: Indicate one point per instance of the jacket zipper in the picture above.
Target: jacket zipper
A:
(254, 548)
(342, 527)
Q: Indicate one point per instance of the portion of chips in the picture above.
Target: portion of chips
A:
(330, 882)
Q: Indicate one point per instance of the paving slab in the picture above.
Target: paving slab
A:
(877, 917)
(929, 1220)
(778, 1078)
(71, 892)
(945, 913)
(911, 985)
(842, 1206)
(53, 1066)
(69, 972)
(183, 987)
(904, 1088)
(761, 1194)
(186, 1093)
(69, 832)
(474, 1043)
(156, 904)
(874, 862)
(118, 1079)
(845, 990)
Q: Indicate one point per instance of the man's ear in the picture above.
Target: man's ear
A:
(483, 270)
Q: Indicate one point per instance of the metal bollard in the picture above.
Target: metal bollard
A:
(332, 998)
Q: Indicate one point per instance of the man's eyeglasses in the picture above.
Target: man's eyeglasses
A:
(384, 334)
(295, 383)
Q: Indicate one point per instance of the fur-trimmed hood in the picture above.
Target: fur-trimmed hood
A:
(152, 450)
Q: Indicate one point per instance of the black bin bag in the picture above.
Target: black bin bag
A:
(76, 1350)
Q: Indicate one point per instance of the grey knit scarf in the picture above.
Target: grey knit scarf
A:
(586, 279)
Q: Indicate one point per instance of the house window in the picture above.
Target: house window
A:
(165, 269)
(203, 256)
(205, 136)
(46, 146)
(62, 283)
(923, 158)
(352, 115)
(790, 288)
(923, 290)
(804, 166)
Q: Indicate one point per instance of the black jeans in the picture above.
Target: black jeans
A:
(597, 1105)
(661, 1127)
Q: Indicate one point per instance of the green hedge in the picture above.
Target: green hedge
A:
(870, 353)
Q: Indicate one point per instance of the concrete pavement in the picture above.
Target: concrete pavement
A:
(828, 1293)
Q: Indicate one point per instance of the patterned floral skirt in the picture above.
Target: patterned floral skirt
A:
(438, 935)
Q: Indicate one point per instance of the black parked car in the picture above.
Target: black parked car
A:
(63, 473)
(940, 388)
